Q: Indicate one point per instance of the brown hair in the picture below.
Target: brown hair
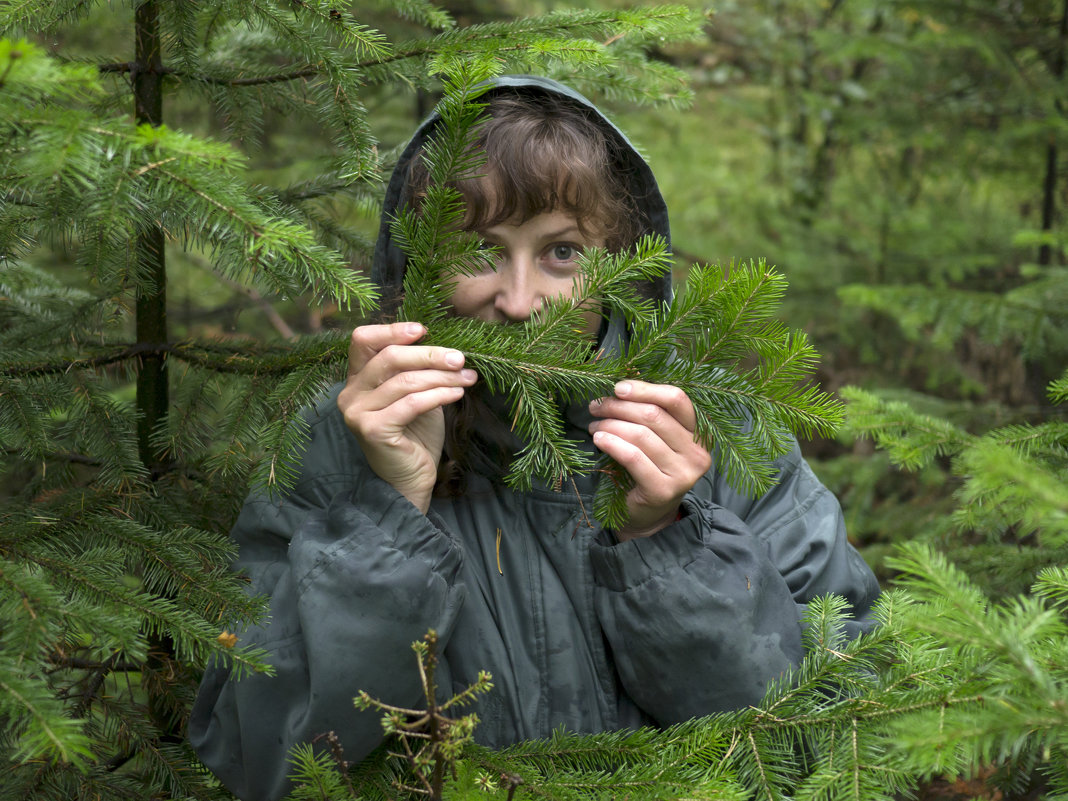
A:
(543, 152)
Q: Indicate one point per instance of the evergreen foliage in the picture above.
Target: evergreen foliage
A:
(720, 320)
(114, 578)
(113, 582)
(946, 684)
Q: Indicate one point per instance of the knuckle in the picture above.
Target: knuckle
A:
(676, 397)
(696, 468)
(650, 415)
(361, 335)
(391, 352)
(646, 437)
(355, 419)
(632, 453)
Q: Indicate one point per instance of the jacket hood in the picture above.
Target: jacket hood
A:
(389, 261)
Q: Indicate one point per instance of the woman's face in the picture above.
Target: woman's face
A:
(537, 260)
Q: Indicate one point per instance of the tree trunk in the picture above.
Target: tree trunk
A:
(1049, 193)
(151, 306)
(151, 321)
(151, 309)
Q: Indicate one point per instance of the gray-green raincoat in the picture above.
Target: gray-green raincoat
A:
(578, 631)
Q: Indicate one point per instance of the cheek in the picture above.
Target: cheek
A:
(470, 295)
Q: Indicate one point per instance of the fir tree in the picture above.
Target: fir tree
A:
(126, 450)
(113, 557)
(719, 320)
(947, 684)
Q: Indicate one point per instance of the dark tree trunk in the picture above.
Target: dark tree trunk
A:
(151, 313)
(151, 307)
(1049, 189)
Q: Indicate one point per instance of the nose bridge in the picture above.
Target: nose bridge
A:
(518, 292)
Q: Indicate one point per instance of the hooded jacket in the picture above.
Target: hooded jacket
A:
(578, 631)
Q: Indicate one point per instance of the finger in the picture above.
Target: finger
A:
(656, 418)
(654, 487)
(368, 340)
(391, 421)
(655, 449)
(672, 399)
(412, 382)
(393, 360)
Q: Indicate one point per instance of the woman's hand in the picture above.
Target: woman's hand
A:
(649, 430)
(392, 401)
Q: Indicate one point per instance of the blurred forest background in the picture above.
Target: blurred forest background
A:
(903, 163)
(900, 162)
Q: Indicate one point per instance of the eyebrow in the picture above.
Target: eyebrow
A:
(571, 230)
(558, 233)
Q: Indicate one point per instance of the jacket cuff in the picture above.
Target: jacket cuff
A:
(386, 507)
(620, 566)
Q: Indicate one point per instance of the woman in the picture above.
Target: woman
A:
(400, 523)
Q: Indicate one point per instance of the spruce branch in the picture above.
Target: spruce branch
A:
(697, 342)
(1058, 390)
(438, 739)
(912, 439)
(1010, 477)
(240, 357)
(296, 74)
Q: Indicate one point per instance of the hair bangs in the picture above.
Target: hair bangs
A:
(545, 153)
(525, 178)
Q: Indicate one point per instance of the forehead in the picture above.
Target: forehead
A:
(545, 226)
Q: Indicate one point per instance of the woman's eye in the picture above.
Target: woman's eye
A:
(564, 253)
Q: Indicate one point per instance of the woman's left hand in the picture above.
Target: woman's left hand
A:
(649, 430)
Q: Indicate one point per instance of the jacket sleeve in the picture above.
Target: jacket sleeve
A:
(800, 524)
(353, 574)
(704, 614)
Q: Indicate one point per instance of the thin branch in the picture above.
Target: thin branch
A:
(259, 80)
(122, 353)
(118, 761)
(276, 320)
(73, 458)
(100, 673)
(75, 663)
(242, 360)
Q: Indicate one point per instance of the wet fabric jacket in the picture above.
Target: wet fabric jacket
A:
(579, 631)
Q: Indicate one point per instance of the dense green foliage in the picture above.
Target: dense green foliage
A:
(113, 550)
(720, 320)
(863, 719)
(900, 160)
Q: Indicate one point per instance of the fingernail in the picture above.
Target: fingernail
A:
(454, 358)
(413, 329)
(623, 388)
(468, 375)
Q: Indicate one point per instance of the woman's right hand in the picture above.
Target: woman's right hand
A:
(392, 402)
